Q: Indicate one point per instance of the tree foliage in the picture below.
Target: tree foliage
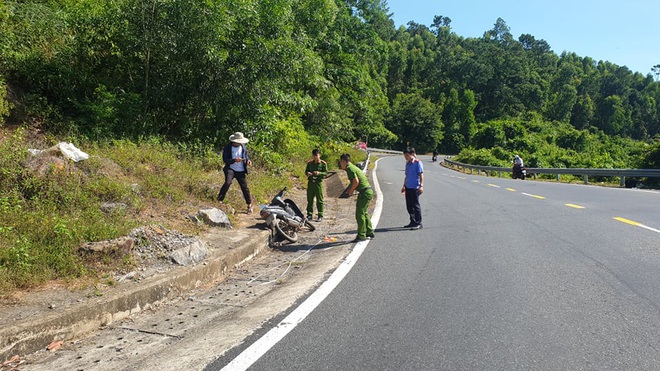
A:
(337, 69)
(416, 121)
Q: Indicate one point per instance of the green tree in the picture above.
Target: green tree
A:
(561, 103)
(416, 121)
(458, 119)
(355, 60)
(652, 158)
(500, 33)
(488, 136)
(467, 121)
(583, 112)
(5, 106)
(613, 117)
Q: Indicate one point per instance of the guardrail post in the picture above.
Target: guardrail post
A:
(499, 174)
(586, 179)
(557, 177)
(622, 184)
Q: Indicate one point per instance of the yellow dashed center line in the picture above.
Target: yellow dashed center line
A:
(535, 196)
(623, 220)
(628, 221)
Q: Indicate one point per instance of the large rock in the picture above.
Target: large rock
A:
(110, 207)
(155, 243)
(190, 254)
(44, 164)
(214, 217)
(121, 245)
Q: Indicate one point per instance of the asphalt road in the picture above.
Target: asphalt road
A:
(505, 275)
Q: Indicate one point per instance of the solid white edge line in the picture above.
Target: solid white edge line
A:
(250, 355)
(649, 228)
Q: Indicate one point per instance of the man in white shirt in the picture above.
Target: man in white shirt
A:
(517, 161)
(236, 159)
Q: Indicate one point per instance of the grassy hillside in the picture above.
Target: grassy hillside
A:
(50, 207)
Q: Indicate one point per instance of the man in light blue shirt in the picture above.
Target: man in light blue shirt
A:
(413, 187)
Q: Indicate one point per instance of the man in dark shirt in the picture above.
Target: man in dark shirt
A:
(316, 171)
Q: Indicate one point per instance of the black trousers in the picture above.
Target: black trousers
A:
(413, 206)
(240, 176)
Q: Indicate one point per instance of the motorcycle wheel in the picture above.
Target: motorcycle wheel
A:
(310, 226)
(285, 230)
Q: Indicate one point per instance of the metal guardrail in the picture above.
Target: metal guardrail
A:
(586, 173)
(378, 150)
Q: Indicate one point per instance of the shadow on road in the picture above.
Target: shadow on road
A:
(391, 229)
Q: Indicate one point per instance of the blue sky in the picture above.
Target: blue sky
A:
(626, 33)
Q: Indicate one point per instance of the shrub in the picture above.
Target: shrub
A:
(480, 156)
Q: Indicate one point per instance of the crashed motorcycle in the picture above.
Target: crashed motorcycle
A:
(284, 219)
(519, 172)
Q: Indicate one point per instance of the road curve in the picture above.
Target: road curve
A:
(505, 275)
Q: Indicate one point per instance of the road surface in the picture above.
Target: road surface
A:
(505, 275)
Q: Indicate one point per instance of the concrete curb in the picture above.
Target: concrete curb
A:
(35, 334)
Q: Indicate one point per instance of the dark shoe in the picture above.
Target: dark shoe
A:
(371, 237)
(416, 227)
(411, 224)
(320, 219)
(309, 217)
(359, 239)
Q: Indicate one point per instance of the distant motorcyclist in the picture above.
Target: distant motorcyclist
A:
(517, 161)
(518, 168)
(435, 155)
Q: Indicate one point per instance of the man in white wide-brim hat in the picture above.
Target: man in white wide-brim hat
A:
(236, 159)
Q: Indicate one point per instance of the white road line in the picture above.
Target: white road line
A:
(250, 355)
(535, 196)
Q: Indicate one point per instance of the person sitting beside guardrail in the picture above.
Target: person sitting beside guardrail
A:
(517, 161)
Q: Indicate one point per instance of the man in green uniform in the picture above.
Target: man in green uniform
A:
(316, 170)
(359, 182)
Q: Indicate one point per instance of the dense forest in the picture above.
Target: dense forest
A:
(196, 71)
(153, 88)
